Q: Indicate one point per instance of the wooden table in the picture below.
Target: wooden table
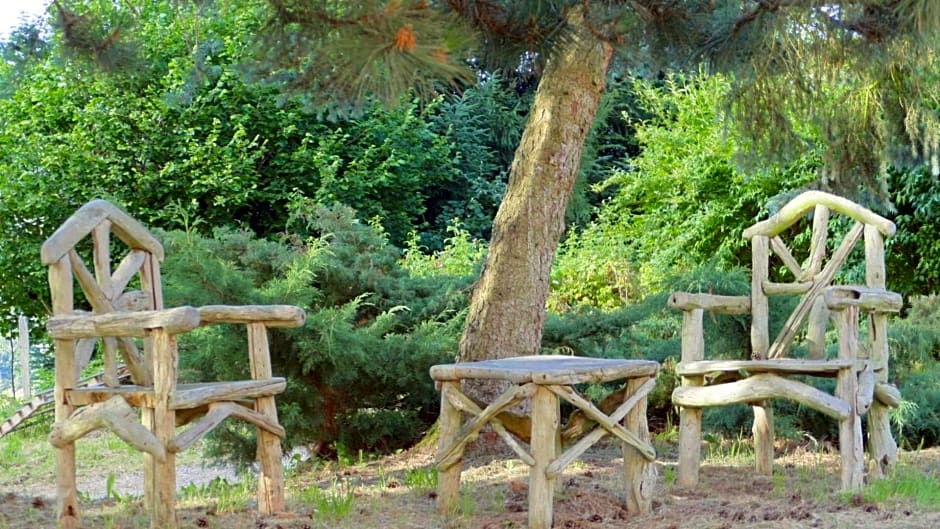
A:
(543, 379)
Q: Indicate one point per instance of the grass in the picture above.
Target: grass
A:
(334, 502)
(226, 496)
(398, 492)
(907, 483)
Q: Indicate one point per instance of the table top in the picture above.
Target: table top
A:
(547, 369)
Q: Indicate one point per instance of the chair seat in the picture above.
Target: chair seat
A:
(819, 368)
(186, 396)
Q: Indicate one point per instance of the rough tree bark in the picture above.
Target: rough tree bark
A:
(507, 306)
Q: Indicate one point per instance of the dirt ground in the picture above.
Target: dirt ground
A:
(803, 493)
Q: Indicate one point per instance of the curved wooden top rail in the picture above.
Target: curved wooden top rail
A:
(808, 200)
(547, 369)
(83, 221)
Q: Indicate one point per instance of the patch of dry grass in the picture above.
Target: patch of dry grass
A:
(393, 492)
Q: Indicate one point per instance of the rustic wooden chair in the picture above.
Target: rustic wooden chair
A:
(861, 370)
(127, 317)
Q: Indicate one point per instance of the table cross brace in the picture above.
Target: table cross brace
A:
(465, 404)
(606, 425)
(454, 451)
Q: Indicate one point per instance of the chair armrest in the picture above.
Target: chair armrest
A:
(710, 302)
(174, 321)
(865, 298)
(269, 315)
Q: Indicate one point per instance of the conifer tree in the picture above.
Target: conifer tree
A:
(859, 72)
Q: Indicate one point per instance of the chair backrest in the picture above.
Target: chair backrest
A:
(131, 284)
(815, 274)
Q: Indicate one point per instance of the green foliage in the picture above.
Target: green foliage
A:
(188, 137)
(484, 123)
(913, 254)
(356, 51)
(384, 165)
(461, 255)
(914, 343)
(357, 371)
(682, 201)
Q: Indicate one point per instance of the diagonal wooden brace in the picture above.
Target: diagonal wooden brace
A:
(218, 412)
(115, 414)
(465, 404)
(512, 396)
(606, 425)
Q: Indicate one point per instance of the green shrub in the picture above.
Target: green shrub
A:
(358, 370)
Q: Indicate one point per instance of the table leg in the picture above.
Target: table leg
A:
(545, 422)
(639, 474)
(448, 481)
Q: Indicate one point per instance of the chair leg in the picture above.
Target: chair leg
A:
(763, 432)
(67, 491)
(881, 446)
(690, 446)
(271, 480)
(163, 515)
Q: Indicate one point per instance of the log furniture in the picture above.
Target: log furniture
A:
(543, 380)
(127, 318)
(860, 369)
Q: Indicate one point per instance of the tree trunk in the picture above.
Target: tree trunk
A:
(507, 307)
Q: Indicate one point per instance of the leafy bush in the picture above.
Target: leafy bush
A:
(358, 370)
(914, 342)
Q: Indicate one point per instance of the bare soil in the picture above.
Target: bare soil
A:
(803, 493)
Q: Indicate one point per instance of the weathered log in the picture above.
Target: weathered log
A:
(796, 288)
(817, 245)
(269, 315)
(710, 302)
(690, 419)
(617, 415)
(888, 394)
(827, 368)
(866, 390)
(639, 473)
(126, 270)
(164, 357)
(545, 419)
(882, 446)
(61, 287)
(448, 481)
(114, 414)
(780, 248)
(218, 412)
(137, 396)
(546, 369)
(850, 427)
(603, 420)
(816, 330)
(784, 339)
(133, 301)
(467, 405)
(799, 206)
(173, 321)
(83, 221)
(761, 387)
(271, 479)
(865, 298)
(194, 395)
(469, 431)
